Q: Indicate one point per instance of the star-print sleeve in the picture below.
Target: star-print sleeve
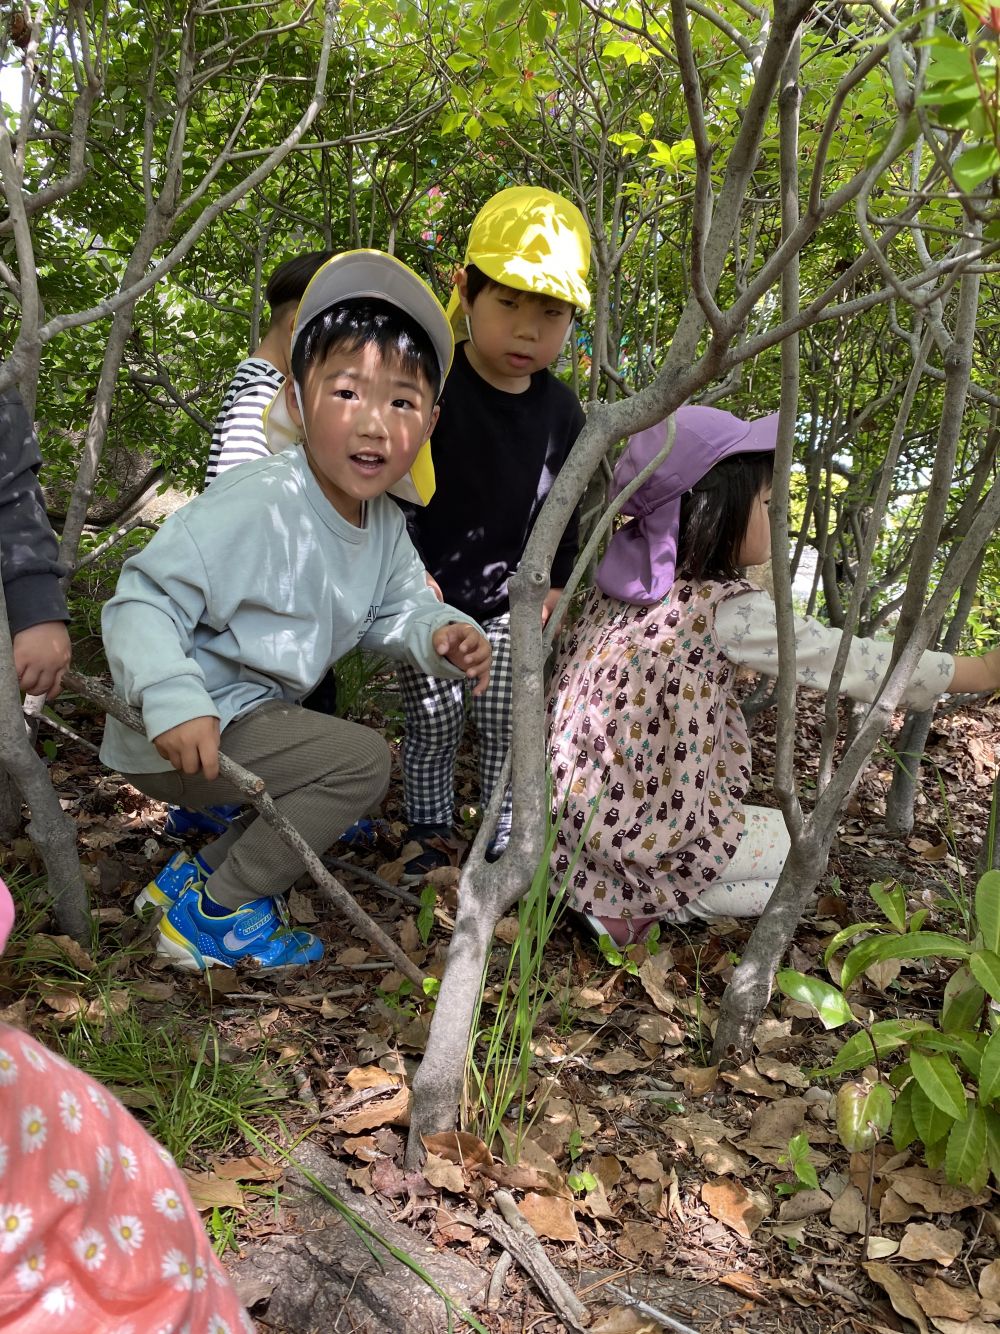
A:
(747, 631)
(97, 1230)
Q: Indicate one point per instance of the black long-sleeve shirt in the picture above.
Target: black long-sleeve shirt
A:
(496, 456)
(29, 564)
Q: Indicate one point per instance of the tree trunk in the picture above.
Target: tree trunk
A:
(50, 829)
(909, 750)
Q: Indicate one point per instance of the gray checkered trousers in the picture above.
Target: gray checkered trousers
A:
(434, 708)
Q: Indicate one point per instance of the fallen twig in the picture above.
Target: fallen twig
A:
(516, 1235)
(252, 788)
(645, 1309)
(370, 878)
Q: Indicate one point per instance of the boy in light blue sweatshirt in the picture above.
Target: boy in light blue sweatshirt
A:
(246, 597)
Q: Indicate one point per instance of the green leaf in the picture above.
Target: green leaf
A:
(985, 967)
(963, 1045)
(904, 1132)
(887, 1034)
(931, 1122)
(988, 909)
(993, 1141)
(827, 1000)
(845, 934)
(989, 1071)
(916, 945)
(963, 1001)
(863, 1114)
(538, 24)
(975, 166)
(473, 128)
(893, 904)
(939, 1080)
(966, 1152)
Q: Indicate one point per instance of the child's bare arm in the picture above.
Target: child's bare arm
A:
(973, 675)
(192, 746)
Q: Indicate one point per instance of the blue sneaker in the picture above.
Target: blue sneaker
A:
(257, 932)
(181, 822)
(180, 872)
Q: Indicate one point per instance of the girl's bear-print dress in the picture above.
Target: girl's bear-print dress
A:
(649, 753)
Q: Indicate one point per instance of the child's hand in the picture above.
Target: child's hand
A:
(41, 655)
(466, 648)
(549, 605)
(192, 746)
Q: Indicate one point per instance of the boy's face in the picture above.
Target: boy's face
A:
(364, 419)
(513, 333)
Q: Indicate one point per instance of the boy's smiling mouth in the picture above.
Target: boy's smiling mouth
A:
(368, 460)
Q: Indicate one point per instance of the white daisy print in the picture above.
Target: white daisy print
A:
(166, 1155)
(105, 1163)
(177, 1266)
(218, 1326)
(70, 1111)
(58, 1299)
(127, 1231)
(8, 1067)
(168, 1203)
(99, 1100)
(90, 1248)
(199, 1275)
(34, 1057)
(128, 1162)
(15, 1224)
(69, 1186)
(33, 1129)
(31, 1271)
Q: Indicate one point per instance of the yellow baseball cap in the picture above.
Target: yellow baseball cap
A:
(532, 240)
(372, 274)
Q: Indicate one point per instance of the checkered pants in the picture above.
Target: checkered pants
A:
(434, 709)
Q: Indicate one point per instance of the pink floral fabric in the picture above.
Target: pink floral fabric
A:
(649, 753)
(97, 1231)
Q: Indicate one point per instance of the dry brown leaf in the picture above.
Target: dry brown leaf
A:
(742, 1283)
(379, 1111)
(563, 1118)
(931, 852)
(362, 1146)
(894, 1209)
(937, 1298)
(899, 1292)
(880, 1248)
(924, 1241)
(300, 909)
(782, 1071)
(918, 1185)
(659, 1030)
(409, 936)
(640, 1241)
(774, 1124)
(772, 1034)
(883, 974)
(848, 1211)
(747, 1080)
(971, 1326)
(210, 1191)
(989, 1282)
(625, 1320)
(507, 930)
(734, 1205)
(551, 1216)
(803, 1204)
(51, 947)
(252, 1168)
(458, 1146)
(370, 1077)
(352, 956)
(652, 974)
(616, 1062)
(697, 1079)
(586, 998)
(153, 991)
(707, 1137)
(646, 1166)
(449, 1228)
(444, 1174)
(444, 877)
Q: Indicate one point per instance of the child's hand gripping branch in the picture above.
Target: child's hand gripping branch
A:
(41, 655)
(192, 747)
(468, 650)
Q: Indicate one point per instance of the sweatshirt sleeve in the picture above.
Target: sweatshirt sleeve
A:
(148, 629)
(746, 627)
(29, 563)
(409, 614)
(566, 552)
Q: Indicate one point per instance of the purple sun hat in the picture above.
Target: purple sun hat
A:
(640, 563)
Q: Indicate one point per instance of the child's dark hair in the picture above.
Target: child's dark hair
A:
(715, 515)
(477, 282)
(291, 278)
(363, 322)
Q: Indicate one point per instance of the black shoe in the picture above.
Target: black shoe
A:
(437, 846)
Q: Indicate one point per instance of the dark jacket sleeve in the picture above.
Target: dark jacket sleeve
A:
(565, 557)
(29, 564)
